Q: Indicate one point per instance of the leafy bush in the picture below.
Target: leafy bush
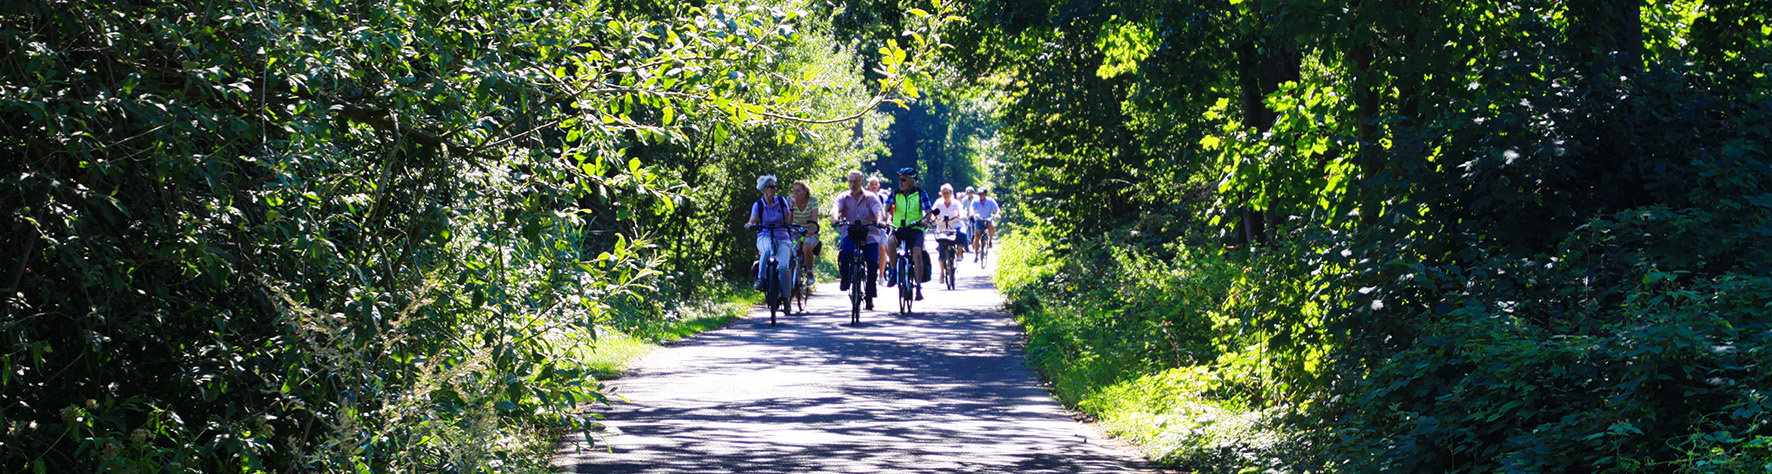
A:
(317, 236)
(1145, 344)
(1607, 354)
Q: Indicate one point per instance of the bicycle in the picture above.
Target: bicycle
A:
(905, 276)
(803, 279)
(981, 230)
(772, 285)
(946, 241)
(857, 268)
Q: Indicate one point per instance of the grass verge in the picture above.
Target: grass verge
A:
(1142, 345)
(617, 348)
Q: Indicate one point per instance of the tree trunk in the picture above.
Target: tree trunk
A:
(1366, 114)
(1264, 62)
(1612, 30)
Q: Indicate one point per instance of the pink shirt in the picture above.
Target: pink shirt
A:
(866, 208)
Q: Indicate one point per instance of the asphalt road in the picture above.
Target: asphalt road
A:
(942, 390)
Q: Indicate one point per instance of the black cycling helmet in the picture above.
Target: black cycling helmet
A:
(907, 171)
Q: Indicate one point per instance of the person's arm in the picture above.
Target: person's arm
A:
(753, 221)
(880, 215)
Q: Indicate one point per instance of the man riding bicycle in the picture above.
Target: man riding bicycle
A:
(857, 207)
(769, 217)
(907, 205)
(985, 212)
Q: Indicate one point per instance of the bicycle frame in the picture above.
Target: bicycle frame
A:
(946, 247)
(857, 267)
(773, 288)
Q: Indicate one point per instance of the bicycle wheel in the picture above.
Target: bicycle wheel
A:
(906, 275)
(857, 271)
(792, 287)
(947, 265)
(802, 291)
(771, 289)
(984, 251)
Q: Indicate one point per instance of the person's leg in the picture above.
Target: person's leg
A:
(807, 257)
(891, 252)
(921, 255)
(846, 251)
(763, 251)
(941, 271)
(979, 238)
(919, 260)
(784, 276)
(871, 254)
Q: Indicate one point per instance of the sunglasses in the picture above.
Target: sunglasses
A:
(769, 186)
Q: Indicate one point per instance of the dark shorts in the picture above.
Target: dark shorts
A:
(911, 236)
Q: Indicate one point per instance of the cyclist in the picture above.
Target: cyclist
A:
(908, 205)
(985, 212)
(857, 206)
(966, 230)
(874, 187)
(949, 214)
(805, 210)
(769, 217)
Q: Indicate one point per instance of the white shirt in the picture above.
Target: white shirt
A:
(949, 208)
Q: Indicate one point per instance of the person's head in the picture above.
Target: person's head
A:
(984, 193)
(802, 190)
(907, 178)
(767, 183)
(854, 180)
(947, 191)
(873, 183)
(970, 190)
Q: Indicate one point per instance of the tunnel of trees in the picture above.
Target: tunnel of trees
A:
(1297, 235)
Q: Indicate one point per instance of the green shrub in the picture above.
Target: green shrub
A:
(1143, 341)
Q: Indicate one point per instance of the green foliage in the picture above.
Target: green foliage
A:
(325, 237)
(1465, 237)
(1144, 343)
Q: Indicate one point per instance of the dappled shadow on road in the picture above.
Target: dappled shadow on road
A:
(941, 390)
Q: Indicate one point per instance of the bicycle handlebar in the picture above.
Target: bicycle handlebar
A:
(776, 226)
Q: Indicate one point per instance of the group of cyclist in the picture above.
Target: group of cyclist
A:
(907, 209)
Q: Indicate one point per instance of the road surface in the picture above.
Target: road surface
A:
(943, 390)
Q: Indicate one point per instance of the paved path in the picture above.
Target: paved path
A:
(939, 391)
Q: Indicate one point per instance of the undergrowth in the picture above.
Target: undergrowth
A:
(1144, 345)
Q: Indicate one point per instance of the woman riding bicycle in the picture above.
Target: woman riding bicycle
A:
(949, 214)
(805, 209)
(857, 206)
(769, 217)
